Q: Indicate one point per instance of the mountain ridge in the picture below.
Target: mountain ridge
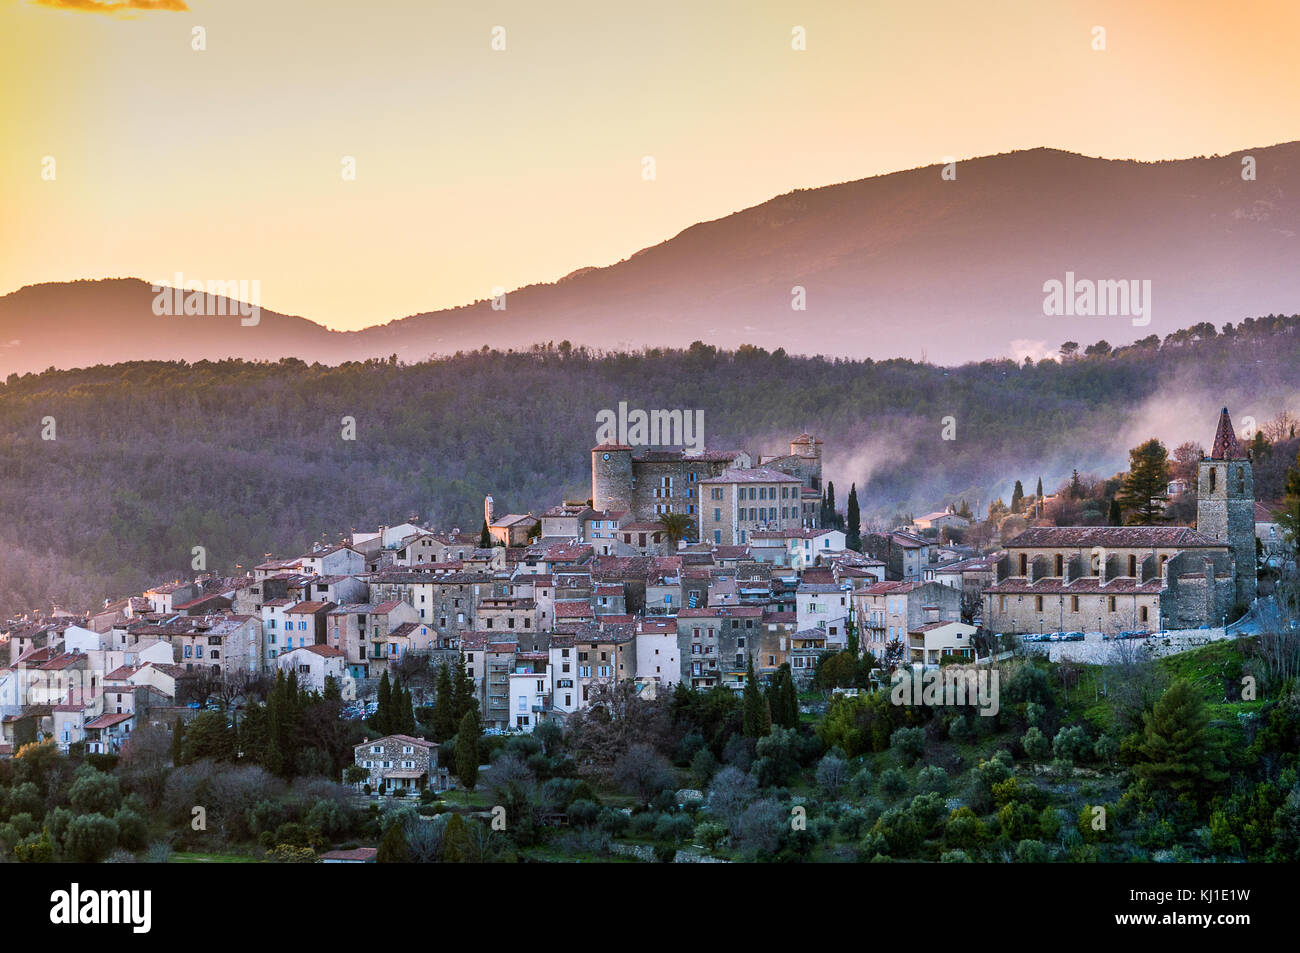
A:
(891, 265)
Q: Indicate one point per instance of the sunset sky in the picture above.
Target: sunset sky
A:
(479, 168)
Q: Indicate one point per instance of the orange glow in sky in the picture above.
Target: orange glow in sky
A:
(478, 168)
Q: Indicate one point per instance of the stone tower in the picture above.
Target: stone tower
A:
(613, 484)
(1225, 504)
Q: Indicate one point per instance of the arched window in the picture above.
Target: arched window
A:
(1214, 473)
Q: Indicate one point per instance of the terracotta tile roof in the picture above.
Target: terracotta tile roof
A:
(107, 721)
(359, 854)
(60, 662)
(309, 608)
(751, 475)
(1111, 537)
(1085, 585)
(405, 739)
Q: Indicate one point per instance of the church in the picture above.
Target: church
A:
(1137, 578)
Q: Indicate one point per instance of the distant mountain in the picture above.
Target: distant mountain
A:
(896, 265)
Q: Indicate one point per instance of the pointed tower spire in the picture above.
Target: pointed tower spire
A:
(1226, 446)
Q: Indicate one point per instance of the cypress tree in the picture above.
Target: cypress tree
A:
(1116, 516)
(1017, 498)
(485, 538)
(253, 738)
(385, 703)
(444, 712)
(467, 750)
(1039, 492)
(394, 848)
(396, 723)
(790, 696)
(455, 840)
(853, 535)
(178, 742)
(756, 719)
(462, 690)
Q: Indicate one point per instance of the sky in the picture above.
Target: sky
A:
(128, 152)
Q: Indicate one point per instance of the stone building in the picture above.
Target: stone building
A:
(739, 502)
(399, 764)
(1225, 505)
(1144, 578)
(642, 486)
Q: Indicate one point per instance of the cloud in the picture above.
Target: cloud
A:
(112, 6)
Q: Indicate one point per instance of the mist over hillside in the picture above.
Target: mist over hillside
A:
(151, 459)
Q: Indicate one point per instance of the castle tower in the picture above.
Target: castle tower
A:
(1225, 504)
(808, 448)
(613, 484)
(489, 508)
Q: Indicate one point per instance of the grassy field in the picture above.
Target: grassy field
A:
(196, 858)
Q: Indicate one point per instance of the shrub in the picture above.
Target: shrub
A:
(1031, 852)
(759, 828)
(673, 827)
(909, 743)
(613, 821)
(963, 829)
(94, 792)
(90, 837)
(131, 829)
(289, 854)
(893, 783)
(708, 834)
(583, 813)
(1072, 744)
(861, 783)
(933, 779)
(832, 774)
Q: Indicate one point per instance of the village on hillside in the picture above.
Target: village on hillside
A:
(684, 571)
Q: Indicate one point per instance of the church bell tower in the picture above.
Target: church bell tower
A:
(1225, 504)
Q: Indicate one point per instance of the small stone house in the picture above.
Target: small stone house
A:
(400, 764)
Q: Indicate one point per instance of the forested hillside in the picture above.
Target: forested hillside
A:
(151, 459)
